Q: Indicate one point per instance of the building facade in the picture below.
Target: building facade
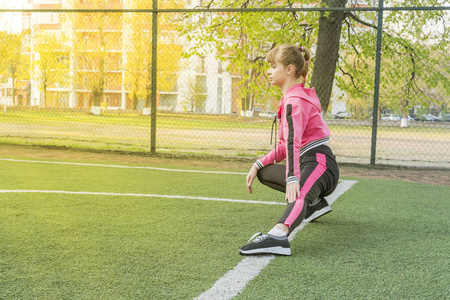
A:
(95, 52)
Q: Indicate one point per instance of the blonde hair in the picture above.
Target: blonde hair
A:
(291, 55)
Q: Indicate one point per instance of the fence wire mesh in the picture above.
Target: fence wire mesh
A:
(76, 78)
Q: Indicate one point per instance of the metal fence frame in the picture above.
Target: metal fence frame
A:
(155, 11)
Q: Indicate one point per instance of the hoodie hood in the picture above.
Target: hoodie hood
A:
(308, 94)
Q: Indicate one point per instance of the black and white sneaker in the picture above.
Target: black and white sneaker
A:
(267, 244)
(317, 209)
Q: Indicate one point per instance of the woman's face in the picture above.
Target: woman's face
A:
(277, 73)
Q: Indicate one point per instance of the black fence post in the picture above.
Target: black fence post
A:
(376, 84)
(154, 74)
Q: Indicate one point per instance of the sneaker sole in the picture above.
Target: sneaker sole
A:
(318, 213)
(273, 250)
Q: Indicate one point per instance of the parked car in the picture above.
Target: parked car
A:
(268, 114)
(391, 117)
(420, 118)
(444, 117)
(342, 115)
(427, 117)
(432, 118)
(256, 111)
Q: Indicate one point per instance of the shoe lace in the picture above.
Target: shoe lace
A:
(257, 236)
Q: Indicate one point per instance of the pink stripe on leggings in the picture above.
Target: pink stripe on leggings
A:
(315, 175)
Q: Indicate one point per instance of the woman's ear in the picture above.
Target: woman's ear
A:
(290, 70)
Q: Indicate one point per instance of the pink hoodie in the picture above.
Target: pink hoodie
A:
(302, 128)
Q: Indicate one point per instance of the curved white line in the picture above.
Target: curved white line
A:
(120, 166)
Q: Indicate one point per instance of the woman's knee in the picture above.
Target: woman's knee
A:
(264, 174)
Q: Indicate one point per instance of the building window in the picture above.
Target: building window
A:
(219, 96)
(27, 41)
(37, 2)
(47, 18)
(220, 66)
(201, 67)
(200, 85)
(26, 22)
(62, 59)
(168, 101)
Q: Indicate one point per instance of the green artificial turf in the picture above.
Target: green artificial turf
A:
(384, 239)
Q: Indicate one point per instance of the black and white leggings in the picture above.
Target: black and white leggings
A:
(319, 175)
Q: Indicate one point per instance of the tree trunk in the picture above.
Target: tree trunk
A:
(146, 111)
(148, 96)
(13, 74)
(404, 121)
(97, 93)
(45, 95)
(327, 53)
(134, 101)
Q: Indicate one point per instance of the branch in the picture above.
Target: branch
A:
(222, 24)
(409, 49)
(413, 74)
(352, 79)
(257, 58)
(245, 4)
(209, 4)
(445, 29)
(294, 14)
(354, 17)
(349, 34)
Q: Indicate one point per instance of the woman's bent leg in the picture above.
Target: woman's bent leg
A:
(313, 183)
(273, 176)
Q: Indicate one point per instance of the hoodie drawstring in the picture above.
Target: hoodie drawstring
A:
(271, 135)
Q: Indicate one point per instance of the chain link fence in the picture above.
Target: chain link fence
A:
(190, 77)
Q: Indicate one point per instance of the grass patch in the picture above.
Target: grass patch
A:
(226, 135)
(115, 247)
(384, 239)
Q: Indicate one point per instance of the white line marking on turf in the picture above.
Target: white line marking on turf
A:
(143, 195)
(119, 166)
(234, 282)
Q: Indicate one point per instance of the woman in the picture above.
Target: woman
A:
(311, 171)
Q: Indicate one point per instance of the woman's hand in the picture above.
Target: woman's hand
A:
(250, 177)
(292, 192)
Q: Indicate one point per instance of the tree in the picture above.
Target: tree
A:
(52, 61)
(139, 52)
(332, 36)
(414, 61)
(96, 47)
(13, 63)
